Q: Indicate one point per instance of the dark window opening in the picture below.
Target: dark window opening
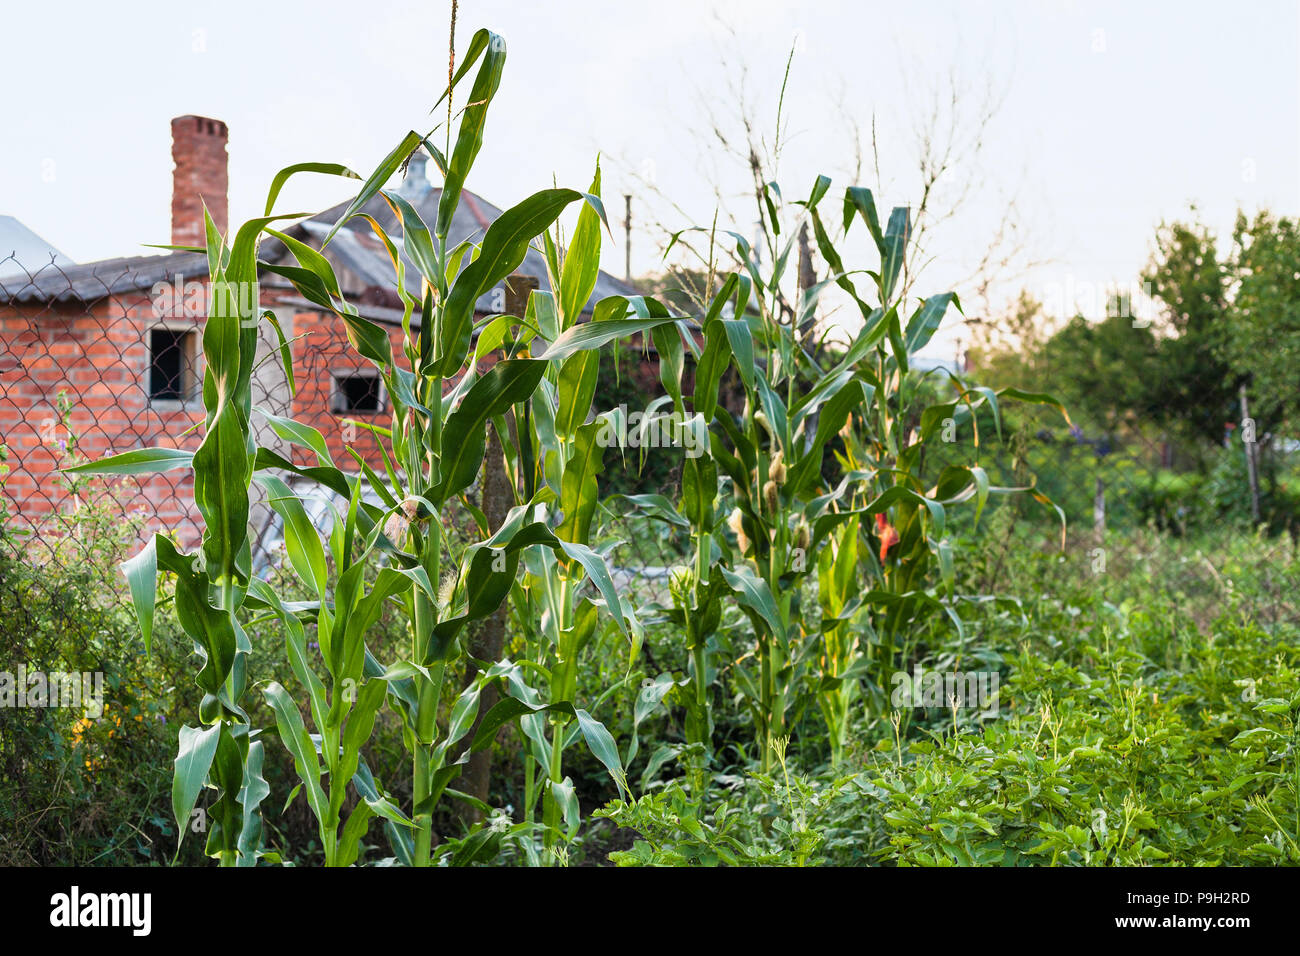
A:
(170, 360)
(357, 393)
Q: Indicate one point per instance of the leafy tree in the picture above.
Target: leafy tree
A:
(1194, 387)
(1263, 339)
(1104, 371)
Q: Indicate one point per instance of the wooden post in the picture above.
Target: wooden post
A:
(496, 498)
(1252, 463)
(1099, 511)
(518, 288)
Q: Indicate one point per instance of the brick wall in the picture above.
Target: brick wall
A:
(99, 359)
(322, 352)
(99, 356)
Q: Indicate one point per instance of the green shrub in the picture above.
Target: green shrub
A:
(1135, 727)
(82, 786)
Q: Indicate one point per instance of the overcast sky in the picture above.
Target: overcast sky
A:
(1113, 116)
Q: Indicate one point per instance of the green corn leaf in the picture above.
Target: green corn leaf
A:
(874, 330)
(575, 387)
(836, 265)
(860, 200)
(925, 320)
(594, 334)
(302, 542)
(326, 477)
(602, 746)
(314, 262)
(286, 354)
(360, 724)
(504, 247)
(672, 358)
(1047, 502)
(502, 712)
(193, 759)
(776, 414)
(578, 488)
(349, 845)
(283, 176)
(298, 741)
(566, 799)
(140, 462)
(416, 240)
(897, 234)
(365, 336)
(141, 572)
(991, 397)
(654, 506)
(820, 187)
(543, 315)
(754, 594)
(254, 791)
(464, 438)
(383, 172)
(211, 629)
(470, 137)
(742, 348)
(648, 699)
(598, 574)
(888, 498)
(854, 396)
(225, 815)
(582, 261)
(481, 40)
(960, 482)
(364, 781)
(699, 490)
(300, 434)
(222, 471)
(296, 647)
(711, 367)
(1037, 398)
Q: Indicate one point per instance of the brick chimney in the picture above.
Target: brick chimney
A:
(201, 176)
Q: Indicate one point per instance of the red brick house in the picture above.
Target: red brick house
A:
(119, 340)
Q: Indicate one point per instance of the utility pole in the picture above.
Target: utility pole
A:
(627, 239)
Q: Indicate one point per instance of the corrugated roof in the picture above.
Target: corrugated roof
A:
(24, 253)
(473, 217)
(101, 280)
(354, 249)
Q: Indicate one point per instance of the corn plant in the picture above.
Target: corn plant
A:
(906, 554)
(387, 546)
(767, 461)
(212, 584)
(788, 523)
(555, 609)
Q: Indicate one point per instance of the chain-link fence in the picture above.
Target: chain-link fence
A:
(88, 368)
(92, 365)
(75, 383)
